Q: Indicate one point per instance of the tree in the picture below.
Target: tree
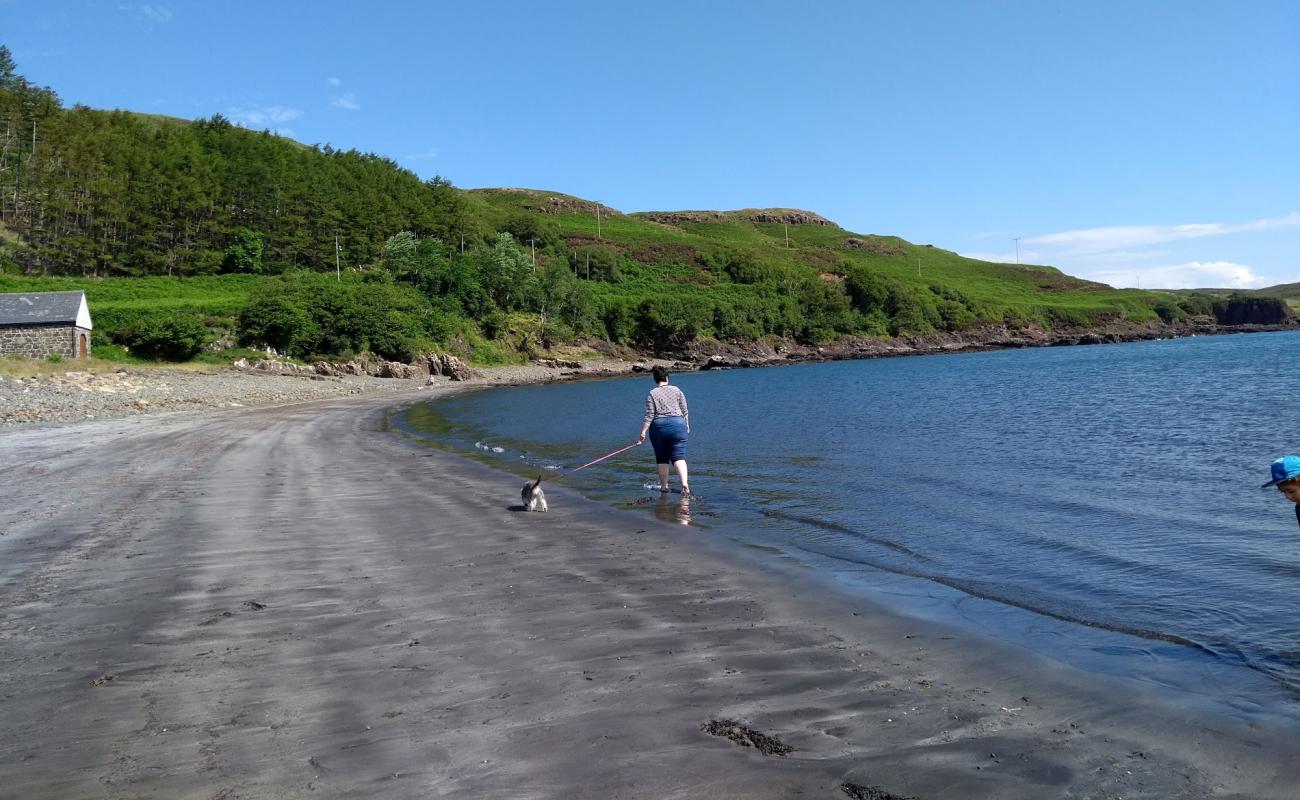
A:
(8, 75)
(506, 273)
(245, 255)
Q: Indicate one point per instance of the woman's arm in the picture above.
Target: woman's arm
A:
(649, 417)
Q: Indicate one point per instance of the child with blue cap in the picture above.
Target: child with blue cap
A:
(1286, 477)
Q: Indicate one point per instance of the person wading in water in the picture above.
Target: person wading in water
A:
(669, 424)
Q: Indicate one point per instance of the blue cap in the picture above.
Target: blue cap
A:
(1284, 469)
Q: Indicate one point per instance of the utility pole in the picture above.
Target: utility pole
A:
(338, 272)
(1017, 249)
(918, 266)
(532, 247)
(787, 235)
(598, 221)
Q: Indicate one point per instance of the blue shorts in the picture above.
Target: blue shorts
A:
(668, 437)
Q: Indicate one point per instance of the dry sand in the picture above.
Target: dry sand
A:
(289, 602)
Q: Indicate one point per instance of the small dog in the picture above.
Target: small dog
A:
(533, 496)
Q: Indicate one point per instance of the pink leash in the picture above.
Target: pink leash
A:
(597, 461)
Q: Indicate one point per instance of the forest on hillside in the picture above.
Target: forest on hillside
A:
(316, 251)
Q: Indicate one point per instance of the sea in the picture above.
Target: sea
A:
(1099, 505)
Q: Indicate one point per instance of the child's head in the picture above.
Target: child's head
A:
(1285, 474)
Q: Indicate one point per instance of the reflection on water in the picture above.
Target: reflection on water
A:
(674, 509)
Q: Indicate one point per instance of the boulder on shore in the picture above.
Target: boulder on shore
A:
(450, 366)
(394, 369)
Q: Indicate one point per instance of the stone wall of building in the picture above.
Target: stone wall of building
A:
(40, 341)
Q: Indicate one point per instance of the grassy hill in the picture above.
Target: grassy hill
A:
(675, 253)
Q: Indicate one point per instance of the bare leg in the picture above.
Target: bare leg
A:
(663, 477)
(681, 476)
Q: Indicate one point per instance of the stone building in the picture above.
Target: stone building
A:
(42, 324)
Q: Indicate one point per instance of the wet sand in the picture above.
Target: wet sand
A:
(289, 602)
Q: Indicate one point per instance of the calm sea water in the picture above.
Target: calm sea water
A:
(1113, 487)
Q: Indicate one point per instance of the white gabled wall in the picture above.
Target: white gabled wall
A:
(83, 314)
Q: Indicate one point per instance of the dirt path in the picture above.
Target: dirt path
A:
(286, 602)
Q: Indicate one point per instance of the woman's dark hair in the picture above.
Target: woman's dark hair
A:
(660, 373)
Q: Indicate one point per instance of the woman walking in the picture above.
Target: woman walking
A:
(668, 423)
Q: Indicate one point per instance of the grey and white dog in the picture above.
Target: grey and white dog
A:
(533, 496)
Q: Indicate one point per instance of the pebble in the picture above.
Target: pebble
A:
(75, 396)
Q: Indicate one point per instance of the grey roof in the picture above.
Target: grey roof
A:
(40, 308)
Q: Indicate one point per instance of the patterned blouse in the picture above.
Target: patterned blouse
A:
(665, 401)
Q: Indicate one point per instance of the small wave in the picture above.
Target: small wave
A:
(497, 449)
(831, 525)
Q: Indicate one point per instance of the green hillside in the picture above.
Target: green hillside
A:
(205, 234)
(695, 253)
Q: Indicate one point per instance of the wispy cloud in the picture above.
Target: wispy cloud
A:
(1042, 255)
(1150, 256)
(423, 155)
(347, 101)
(1101, 240)
(333, 81)
(1191, 275)
(264, 117)
(148, 12)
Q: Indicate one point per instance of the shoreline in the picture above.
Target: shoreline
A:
(244, 613)
(79, 396)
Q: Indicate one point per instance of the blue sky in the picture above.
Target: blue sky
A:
(1139, 143)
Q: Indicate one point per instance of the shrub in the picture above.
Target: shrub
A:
(867, 291)
(597, 263)
(619, 319)
(1196, 305)
(493, 323)
(281, 321)
(908, 312)
(667, 324)
(164, 336)
(1167, 309)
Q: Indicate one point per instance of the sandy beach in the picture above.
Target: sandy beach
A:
(291, 602)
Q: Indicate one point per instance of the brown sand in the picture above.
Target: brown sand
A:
(287, 602)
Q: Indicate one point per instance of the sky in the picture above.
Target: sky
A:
(1152, 144)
